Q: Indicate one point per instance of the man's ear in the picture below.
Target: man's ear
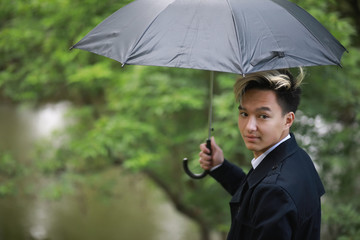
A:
(290, 117)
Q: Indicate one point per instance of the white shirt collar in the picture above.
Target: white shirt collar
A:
(256, 161)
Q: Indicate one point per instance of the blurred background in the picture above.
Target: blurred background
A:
(90, 150)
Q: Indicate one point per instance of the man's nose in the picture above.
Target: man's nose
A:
(251, 124)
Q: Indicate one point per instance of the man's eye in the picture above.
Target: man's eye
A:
(263, 116)
(243, 114)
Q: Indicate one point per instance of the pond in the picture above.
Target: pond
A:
(138, 211)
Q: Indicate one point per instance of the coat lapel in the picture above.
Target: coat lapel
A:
(272, 161)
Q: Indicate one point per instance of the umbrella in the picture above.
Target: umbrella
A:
(237, 36)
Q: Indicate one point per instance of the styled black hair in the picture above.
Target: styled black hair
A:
(282, 82)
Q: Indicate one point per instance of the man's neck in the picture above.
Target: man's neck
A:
(257, 160)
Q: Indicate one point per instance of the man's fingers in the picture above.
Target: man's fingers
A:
(205, 164)
(205, 156)
(205, 160)
(204, 149)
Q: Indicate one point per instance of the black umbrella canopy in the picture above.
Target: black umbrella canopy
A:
(237, 36)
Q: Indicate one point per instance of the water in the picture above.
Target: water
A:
(138, 210)
(137, 214)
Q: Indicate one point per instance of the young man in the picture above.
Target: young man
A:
(280, 196)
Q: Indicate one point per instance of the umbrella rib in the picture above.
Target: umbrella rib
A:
(147, 28)
(237, 38)
(275, 39)
(289, 10)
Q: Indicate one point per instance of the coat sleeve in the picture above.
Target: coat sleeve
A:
(229, 176)
(274, 213)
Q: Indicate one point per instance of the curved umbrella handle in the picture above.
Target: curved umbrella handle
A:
(191, 174)
(195, 175)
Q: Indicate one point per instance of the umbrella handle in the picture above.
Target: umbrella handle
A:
(196, 175)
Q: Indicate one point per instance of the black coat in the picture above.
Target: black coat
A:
(280, 199)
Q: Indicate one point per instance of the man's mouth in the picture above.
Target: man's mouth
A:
(251, 138)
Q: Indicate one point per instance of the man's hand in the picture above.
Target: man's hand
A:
(207, 161)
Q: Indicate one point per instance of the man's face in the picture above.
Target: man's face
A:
(261, 121)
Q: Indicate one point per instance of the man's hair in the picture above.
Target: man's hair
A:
(286, 87)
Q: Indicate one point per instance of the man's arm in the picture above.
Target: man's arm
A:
(229, 176)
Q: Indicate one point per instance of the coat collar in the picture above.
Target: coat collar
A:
(272, 160)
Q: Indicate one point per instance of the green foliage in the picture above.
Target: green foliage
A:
(343, 222)
(10, 173)
(8, 166)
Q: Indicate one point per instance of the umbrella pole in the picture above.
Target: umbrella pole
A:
(208, 141)
(211, 94)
